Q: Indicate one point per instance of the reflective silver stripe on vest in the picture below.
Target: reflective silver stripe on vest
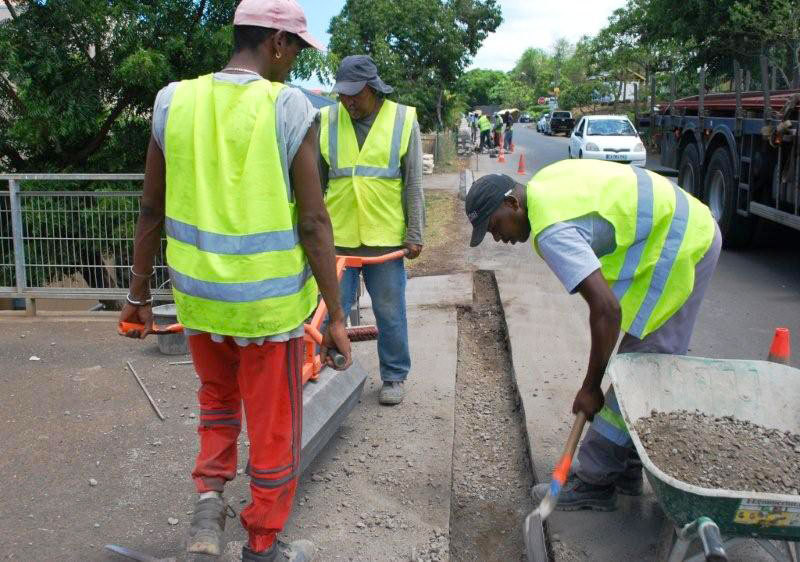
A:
(391, 172)
(340, 172)
(397, 138)
(663, 267)
(230, 244)
(240, 292)
(333, 137)
(644, 224)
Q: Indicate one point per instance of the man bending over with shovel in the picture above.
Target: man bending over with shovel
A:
(641, 252)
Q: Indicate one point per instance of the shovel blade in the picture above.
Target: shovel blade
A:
(535, 545)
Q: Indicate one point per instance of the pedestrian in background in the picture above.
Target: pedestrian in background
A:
(508, 136)
(371, 163)
(498, 129)
(232, 175)
(485, 127)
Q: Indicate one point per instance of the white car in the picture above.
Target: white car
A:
(541, 126)
(607, 137)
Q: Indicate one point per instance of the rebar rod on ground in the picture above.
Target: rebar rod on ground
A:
(146, 392)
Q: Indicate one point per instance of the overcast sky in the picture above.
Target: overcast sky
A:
(526, 23)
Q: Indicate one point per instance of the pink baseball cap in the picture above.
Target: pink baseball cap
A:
(283, 15)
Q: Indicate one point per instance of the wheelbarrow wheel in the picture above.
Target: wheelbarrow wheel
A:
(666, 540)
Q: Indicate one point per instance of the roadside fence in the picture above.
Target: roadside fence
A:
(70, 244)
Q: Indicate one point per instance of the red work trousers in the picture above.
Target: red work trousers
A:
(267, 379)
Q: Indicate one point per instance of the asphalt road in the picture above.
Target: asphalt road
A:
(753, 291)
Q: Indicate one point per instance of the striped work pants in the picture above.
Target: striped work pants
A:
(265, 380)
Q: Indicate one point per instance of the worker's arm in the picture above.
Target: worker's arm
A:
(605, 318)
(414, 197)
(148, 239)
(316, 236)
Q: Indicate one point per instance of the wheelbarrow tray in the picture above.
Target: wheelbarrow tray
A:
(767, 394)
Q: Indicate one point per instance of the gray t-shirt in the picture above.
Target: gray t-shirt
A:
(413, 196)
(572, 248)
(294, 115)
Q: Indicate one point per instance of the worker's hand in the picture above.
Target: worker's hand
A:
(137, 315)
(414, 250)
(335, 338)
(589, 400)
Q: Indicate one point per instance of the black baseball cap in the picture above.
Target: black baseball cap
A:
(357, 71)
(484, 198)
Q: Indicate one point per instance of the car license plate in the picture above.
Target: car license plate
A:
(616, 156)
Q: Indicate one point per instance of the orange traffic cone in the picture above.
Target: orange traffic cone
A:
(521, 170)
(780, 351)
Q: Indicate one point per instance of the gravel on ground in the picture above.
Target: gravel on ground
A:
(491, 471)
(725, 452)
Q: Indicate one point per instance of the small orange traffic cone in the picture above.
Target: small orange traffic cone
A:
(780, 351)
(521, 170)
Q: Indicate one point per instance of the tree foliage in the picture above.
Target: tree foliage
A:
(421, 47)
(78, 78)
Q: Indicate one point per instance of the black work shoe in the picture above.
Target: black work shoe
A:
(577, 494)
(296, 551)
(628, 486)
(208, 525)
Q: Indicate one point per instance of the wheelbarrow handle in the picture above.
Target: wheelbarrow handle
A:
(124, 327)
(713, 547)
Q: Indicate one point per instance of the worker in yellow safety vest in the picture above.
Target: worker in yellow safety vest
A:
(371, 165)
(232, 176)
(641, 252)
(485, 127)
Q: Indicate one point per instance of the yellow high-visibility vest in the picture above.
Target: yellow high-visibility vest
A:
(365, 187)
(661, 232)
(484, 124)
(236, 264)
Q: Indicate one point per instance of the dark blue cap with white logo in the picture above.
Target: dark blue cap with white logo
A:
(484, 198)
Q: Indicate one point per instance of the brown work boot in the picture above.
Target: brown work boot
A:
(208, 525)
(297, 551)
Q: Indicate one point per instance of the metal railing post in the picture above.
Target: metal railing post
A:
(16, 234)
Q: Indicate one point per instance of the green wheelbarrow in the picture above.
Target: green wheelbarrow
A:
(767, 394)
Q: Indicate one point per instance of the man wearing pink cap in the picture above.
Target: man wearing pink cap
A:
(232, 176)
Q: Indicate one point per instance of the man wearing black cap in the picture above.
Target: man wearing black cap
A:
(641, 252)
(371, 166)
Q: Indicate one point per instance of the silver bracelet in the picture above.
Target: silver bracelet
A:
(138, 303)
(142, 275)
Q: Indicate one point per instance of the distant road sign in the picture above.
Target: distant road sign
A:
(542, 100)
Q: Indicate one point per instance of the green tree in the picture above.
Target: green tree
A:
(482, 87)
(78, 78)
(535, 69)
(421, 47)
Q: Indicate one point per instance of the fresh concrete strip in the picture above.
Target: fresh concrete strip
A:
(441, 291)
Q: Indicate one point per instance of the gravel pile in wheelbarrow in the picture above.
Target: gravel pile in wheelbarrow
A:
(724, 453)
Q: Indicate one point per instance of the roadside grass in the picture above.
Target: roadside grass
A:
(445, 236)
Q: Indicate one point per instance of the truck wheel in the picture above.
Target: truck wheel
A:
(720, 196)
(689, 170)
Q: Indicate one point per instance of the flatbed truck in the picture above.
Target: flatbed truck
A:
(739, 152)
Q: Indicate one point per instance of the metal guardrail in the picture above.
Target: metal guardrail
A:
(69, 244)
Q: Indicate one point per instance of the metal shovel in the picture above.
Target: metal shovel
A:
(534, 532)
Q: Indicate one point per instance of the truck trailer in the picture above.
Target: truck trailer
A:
(739, 152)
